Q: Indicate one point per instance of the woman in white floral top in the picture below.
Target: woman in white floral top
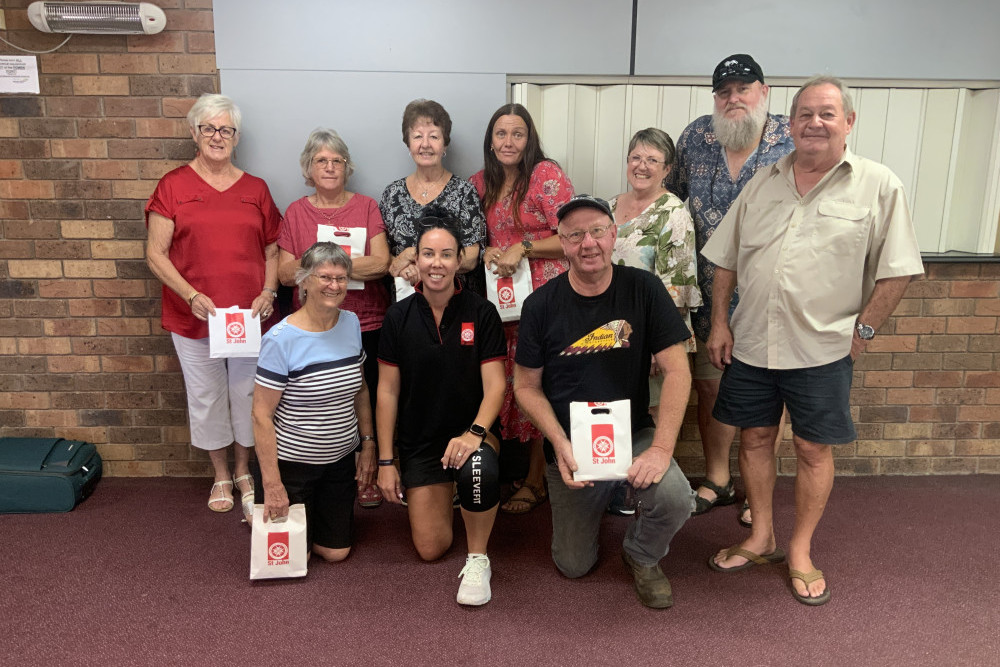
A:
(655, 230)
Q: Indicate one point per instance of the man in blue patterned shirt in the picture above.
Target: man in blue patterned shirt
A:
(717, 156)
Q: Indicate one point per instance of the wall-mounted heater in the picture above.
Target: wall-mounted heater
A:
(97, 18)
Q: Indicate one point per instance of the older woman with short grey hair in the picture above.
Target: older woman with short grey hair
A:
(311, 407)
(212, 243)
(333, 213)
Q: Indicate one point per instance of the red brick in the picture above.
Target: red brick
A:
(937, 379)
(162, 127)
(134, 468)
(975, 288)
(47, 127)
(73, 107)
(987, 307)
(167, 364)
(954, 466)
(982, 379)
(104, 345)
(95, 307)
(50, 417)
(128, 64)
(105, 127)
(127, 364)
(907, 431)
(930, 448)
(110, 169)
(893, 343)
(910, 396)
(89, 269)
(901, 466)
(937, 307)
(67, 327)
(992, 397)
(26, 189)
(56, 63)
(64, 289)
(120, 288)
(977, 413)
(11, 169)
(177, 107)
(135, 148)
(34, 268)
(131, 107)
(187, 64)
(927, 289)
(87, 148)
(155, 169)
(111, 452)
(169, 41)
(200, 42)
(972, 325)
(44, 346)
(943, 343)
(93, 434)
(132, 189)
(124, 326)
(979, 361)
(936, 413)
(951, 271)
(16, 249)
(908, 308)
(100, 85)
(955, 431)
(74, 364)
(24, 400)
(921, 325)
(888, 379)
(88, 229)
(182, 20)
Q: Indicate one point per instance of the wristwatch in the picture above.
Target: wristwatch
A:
(478, 431)
(526, 245)
(865, 332)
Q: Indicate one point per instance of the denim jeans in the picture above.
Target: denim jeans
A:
(577, 514)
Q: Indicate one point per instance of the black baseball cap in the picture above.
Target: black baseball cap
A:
(584, 200)
(737, 67)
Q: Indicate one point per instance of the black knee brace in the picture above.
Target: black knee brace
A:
(479, 480)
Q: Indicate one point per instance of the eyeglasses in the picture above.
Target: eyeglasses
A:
(335, 162)
(576, 238)
(225, 131)
(329, 280)
(651, 162)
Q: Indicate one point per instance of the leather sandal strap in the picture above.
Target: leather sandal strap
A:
(749, 555)
(806, 577)
(720, 491)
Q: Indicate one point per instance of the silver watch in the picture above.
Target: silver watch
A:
(865, 332)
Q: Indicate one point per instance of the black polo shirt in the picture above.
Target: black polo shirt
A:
(441, 386)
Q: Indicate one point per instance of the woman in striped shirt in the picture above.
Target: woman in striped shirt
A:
(311, 407)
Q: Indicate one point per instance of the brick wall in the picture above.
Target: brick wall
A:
(82, 354)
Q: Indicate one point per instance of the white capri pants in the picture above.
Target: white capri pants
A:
(219, 394)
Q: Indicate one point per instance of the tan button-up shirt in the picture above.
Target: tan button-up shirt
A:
(805, 266)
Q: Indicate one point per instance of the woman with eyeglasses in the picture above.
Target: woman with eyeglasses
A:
(212, 243)
(521, 191)
(440, 388)
(655, 233)
(311, 409)
(427, 134)
(352, 220)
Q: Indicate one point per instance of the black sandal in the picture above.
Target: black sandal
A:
(743, 510)
(723, 496)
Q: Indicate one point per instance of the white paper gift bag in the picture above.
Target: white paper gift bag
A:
(351, 239)
(403, 288)
(232, 332)
(278, 549)
(508, 293)
(601, 434)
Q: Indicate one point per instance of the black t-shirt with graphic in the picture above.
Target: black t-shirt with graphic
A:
(598, 348)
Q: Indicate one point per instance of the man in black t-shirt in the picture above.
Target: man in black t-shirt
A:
(589, 335)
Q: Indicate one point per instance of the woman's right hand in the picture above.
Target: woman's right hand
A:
(388, 484)
(403, 260)
(202, 306)
(507, 264)
(275, 502)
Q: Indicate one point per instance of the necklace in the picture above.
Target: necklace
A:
(428, 187)
(334, 206)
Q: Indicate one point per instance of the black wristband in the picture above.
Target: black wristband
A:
(385, 462)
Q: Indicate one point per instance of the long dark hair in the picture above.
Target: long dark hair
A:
(493, 173)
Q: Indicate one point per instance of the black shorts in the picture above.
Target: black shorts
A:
(420, 465)
(327, 490)
(818, 399)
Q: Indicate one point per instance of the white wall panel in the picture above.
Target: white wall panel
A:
(868, 136)
(934, 168)
(903, 134)
(970, 199)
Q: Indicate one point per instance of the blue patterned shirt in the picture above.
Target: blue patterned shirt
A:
(702, 177)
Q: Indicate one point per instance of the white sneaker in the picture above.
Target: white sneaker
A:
(475, 576)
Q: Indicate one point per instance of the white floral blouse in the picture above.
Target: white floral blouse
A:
(661, 240)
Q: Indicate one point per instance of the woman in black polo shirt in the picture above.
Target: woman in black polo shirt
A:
(441, 385)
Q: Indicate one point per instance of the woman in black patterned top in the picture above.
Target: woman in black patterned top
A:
(427, 133)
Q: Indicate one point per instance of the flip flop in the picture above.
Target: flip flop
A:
(807, 578)
(776, 556)
(227, 496)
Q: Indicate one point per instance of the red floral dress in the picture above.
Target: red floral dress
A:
(548, 189)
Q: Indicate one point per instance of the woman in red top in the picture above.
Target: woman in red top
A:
(212, 243)
(352, 221)
(521, 191)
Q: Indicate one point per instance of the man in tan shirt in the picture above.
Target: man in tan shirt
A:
(822, 247)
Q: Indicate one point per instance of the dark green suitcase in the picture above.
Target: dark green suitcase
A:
(46, 474)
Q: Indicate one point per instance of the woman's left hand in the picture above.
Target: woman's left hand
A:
(411, 274)
(365, 475)
(459, 450)
(262, 305)
(506, 262)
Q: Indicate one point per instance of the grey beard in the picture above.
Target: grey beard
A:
(743, 133)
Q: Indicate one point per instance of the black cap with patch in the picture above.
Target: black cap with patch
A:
(584, 200)
(737, 67)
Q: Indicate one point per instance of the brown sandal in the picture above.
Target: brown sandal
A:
(538, 496)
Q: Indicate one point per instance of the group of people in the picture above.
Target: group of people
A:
(360, 394)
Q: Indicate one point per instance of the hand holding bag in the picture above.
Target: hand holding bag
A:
(351, 239)
(278, 547)
(232, 332)
(508, 293)
(601, 434)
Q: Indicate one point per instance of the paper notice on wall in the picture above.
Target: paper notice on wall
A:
(19, 74)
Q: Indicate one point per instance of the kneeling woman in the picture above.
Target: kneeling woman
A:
(441, 381)
(311, 407)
